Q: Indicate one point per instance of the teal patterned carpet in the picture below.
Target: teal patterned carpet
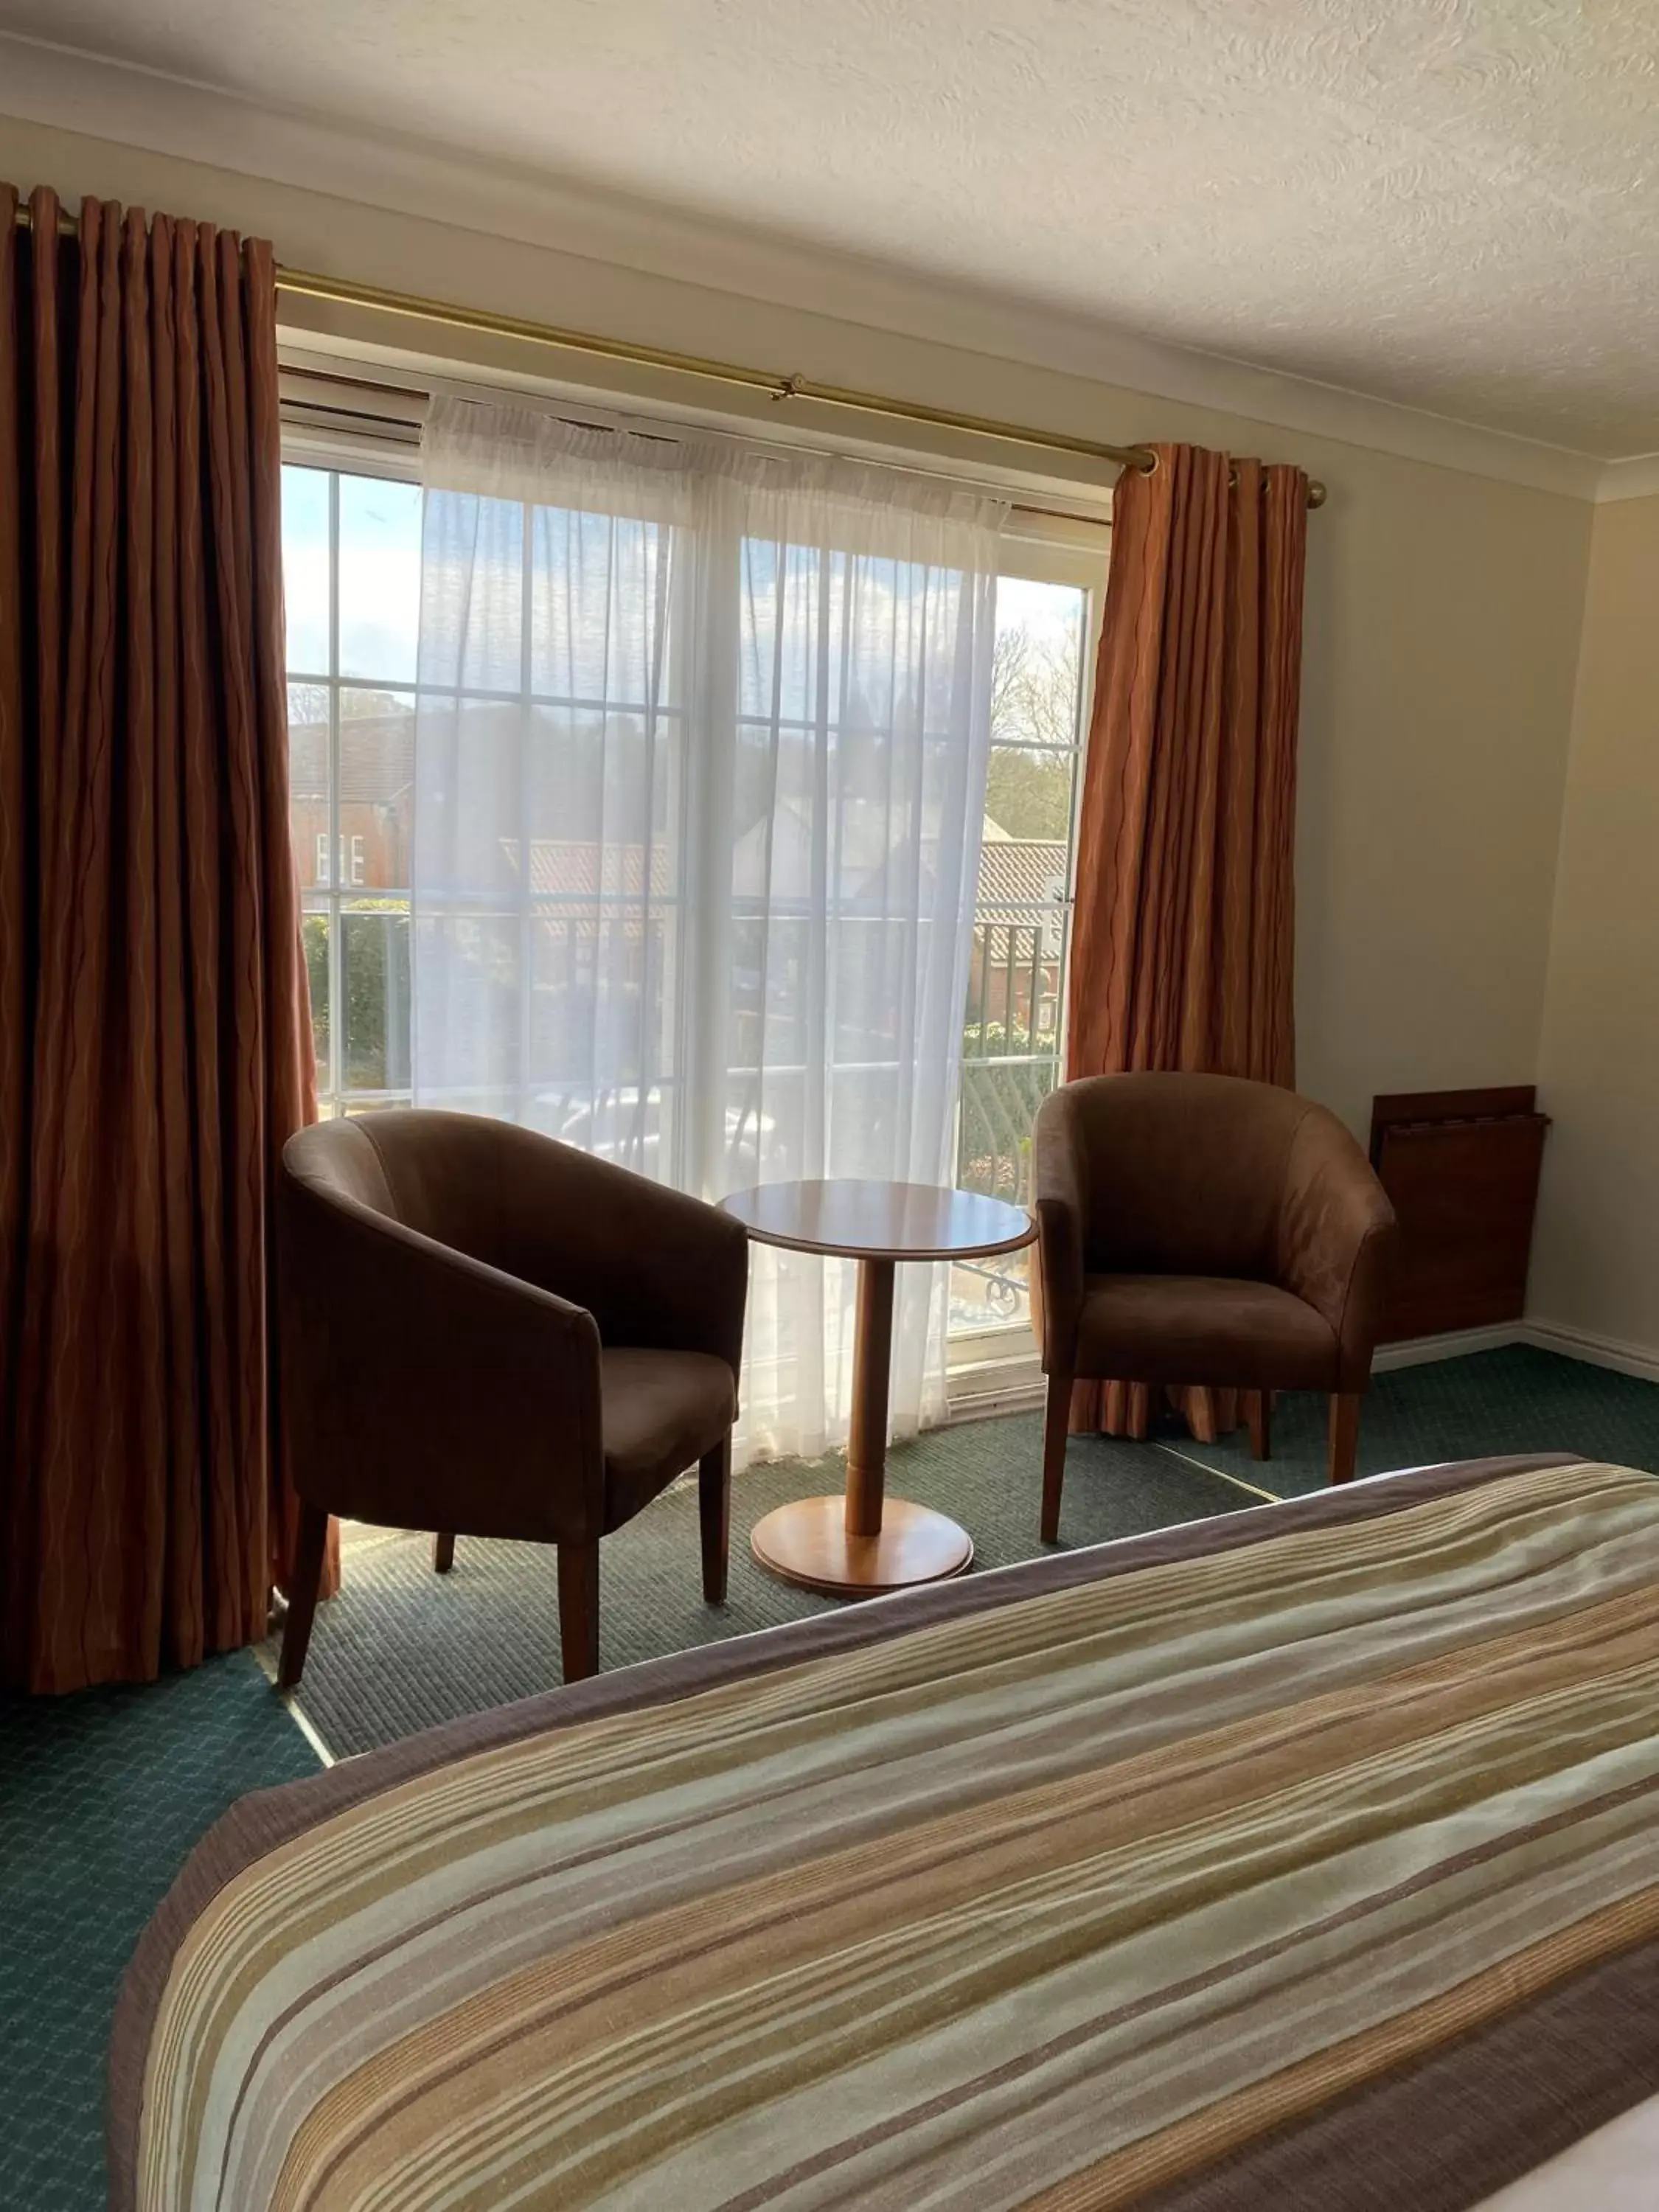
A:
(1518, 1399)
(401, 1649)
(103, 1796)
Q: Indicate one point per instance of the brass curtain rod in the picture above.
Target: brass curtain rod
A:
(355, 384)
(302, 284)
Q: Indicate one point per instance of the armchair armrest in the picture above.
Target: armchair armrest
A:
(427, 1388)
(1060, 1177)
(1337, 1239)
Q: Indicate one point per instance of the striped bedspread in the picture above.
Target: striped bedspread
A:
(1219, 1870)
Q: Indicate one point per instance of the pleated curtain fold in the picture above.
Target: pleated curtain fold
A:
(154, 1034)
(1183, 932)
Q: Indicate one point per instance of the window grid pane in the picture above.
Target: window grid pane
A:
(1014, 1013)
(352, 555)
(351, 579)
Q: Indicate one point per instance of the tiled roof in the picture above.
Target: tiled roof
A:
(1018, 873)
(377, 767)
(377, 760)
(574, 867)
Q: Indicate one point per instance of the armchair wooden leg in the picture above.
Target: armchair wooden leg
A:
(1258, 1411)
(1056, 1419)
(443, 1552)
(1344, 1434)
(715, 1511)
(303, 1594)
(579, 1609)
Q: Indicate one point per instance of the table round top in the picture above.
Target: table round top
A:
(880, 1220)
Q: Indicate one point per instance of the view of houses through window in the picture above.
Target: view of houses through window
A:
(1022, 921)
(351, 546)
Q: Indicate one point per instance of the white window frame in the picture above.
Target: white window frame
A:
(997, 1369)
(397, 464)
(990, 1370)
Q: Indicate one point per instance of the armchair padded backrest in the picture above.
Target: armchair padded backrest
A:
(633, 1253)
(474, 1184)
(438, 1174)
(1183, 1174)
(336, 1160)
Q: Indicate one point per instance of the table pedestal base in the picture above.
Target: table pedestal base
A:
(806, 1542)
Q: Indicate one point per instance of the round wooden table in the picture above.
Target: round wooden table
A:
(855, 1546)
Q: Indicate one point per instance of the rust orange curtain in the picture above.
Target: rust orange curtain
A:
(1182, 942)
(154, 1034)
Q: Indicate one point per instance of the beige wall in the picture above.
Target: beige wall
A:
(1443, 610)
(1596, 1260)
(1442, 633)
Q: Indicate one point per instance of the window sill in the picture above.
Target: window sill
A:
(1000, 1383)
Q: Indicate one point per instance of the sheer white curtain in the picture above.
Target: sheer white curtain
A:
(864, 604)
(550, 771)
(701, 751)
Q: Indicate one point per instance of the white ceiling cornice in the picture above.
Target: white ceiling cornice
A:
(1636, 479)
(58, 88)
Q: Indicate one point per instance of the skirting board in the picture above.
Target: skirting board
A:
(1419, 1350)
(1638, 1359)
(1015, 1386)
(1001, 1386)
(1545, 1335)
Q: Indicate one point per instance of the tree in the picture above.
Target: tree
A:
(1030, 794)
(374, 1048)
(307, 703)
(1033, 728)
(314, 933)
(1033, 690)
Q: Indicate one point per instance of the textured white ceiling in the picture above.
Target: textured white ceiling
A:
(1452, 204)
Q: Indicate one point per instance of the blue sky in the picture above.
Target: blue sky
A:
(379, 575)
(381, 581)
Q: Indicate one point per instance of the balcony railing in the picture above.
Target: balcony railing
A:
(1010, 1062)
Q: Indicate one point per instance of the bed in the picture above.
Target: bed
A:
(1308, 1856)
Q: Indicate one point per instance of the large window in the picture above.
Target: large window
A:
(1022, 923)
(352, 556)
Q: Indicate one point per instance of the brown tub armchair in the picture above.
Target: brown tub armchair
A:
(489, 1334)
(1202, 1230)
